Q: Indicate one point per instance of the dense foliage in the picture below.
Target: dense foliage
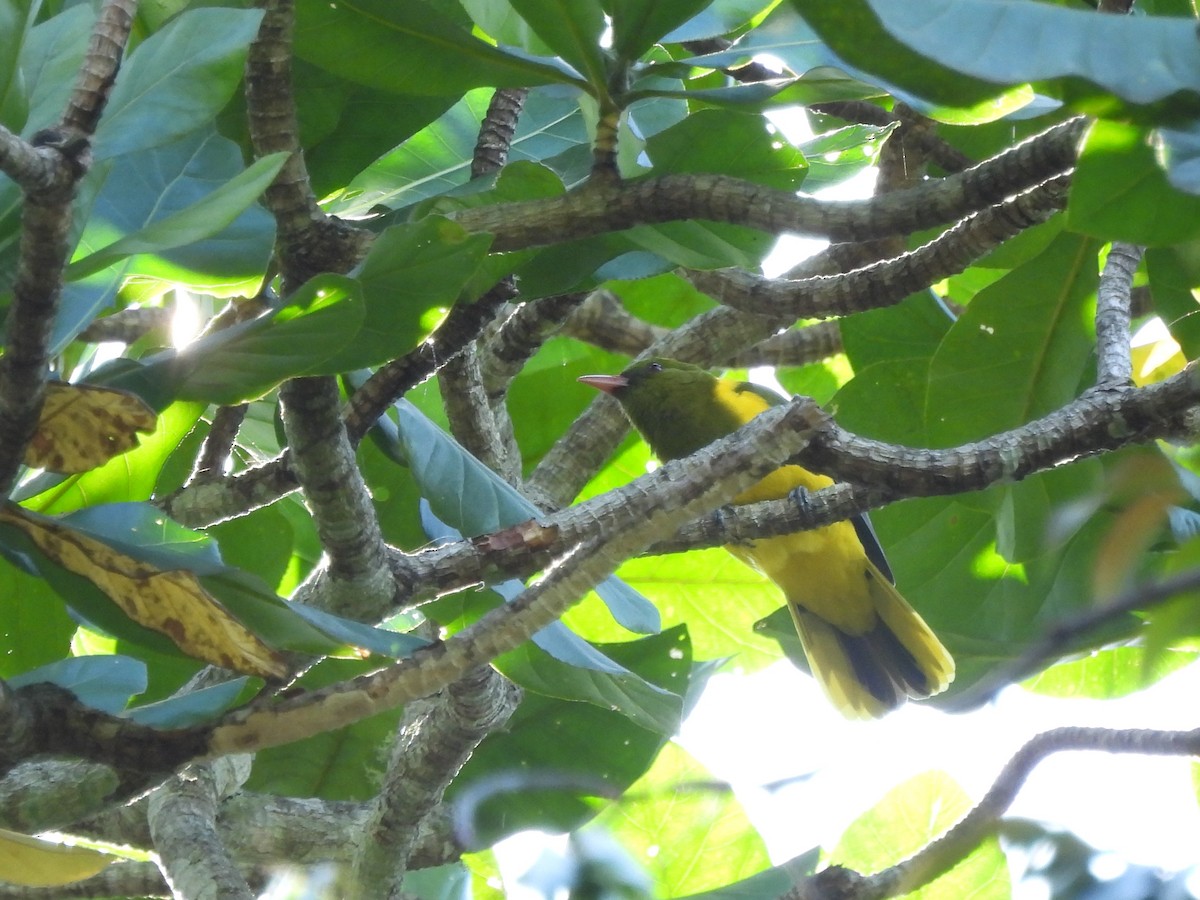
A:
(225, 497)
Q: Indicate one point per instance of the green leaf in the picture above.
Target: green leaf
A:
(105, 683)
(436, 161)
(745, 149)
(14, 97)
(638, 24)
(247, 360)
(1111, 672)
(718, 598)
(195, 222)
(572, 29)
(177, 80)
(50, 60)
(687, 831)
(768, 884)
(1020, 350)
(1172, 273)
(908, 818)
(193, 708)
(411, 48)
(719, 17)
(1120, 191)
(578, 742)
(654, 708)
(471, 498)
(35, 628)
(410, 278)
(1006, 43)
(336, 765)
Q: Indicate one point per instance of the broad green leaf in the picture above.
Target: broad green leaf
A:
(908, 818)
(572, 29)
(720, 17)
(1009, 43)
(410, 278)
(335, 765)
(202, 219)
(746, 149)
(35, 629)
(152, 188)
(14, 96)
(850, 31)
(177, 80)
(105, 683)
(638, 24)
(193, 708)
(437, 159)
(823, 84)
(344, 126)
(1110, 672)
(1180, 156)
(1019, 351)
(719, 599)
(468, 496)
(1120, 191)
(411, 48)
(668, 300)
(247, 360)
(578, 743)
(50, 60)
(686, 830)
(1173, 274)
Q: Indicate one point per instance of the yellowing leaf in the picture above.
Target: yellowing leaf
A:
(172, 602)
(28, 861)
(83, 426)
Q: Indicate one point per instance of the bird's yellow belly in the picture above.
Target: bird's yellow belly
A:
(823, 570)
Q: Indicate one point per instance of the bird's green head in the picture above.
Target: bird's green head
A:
(674, 405)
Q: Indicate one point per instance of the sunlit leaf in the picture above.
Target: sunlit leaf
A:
(908, 818)
(30, 862)
(685, 828)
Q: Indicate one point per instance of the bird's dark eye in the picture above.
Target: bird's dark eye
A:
(655, 367)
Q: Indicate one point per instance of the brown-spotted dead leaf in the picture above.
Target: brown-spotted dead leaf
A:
(83, 426)
(170, 601)
(28, 861)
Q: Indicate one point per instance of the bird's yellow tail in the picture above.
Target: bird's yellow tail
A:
(866, 675)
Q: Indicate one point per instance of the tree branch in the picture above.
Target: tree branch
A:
(1113, 304)
(435, 740)
(601, 206)
(45, 244)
